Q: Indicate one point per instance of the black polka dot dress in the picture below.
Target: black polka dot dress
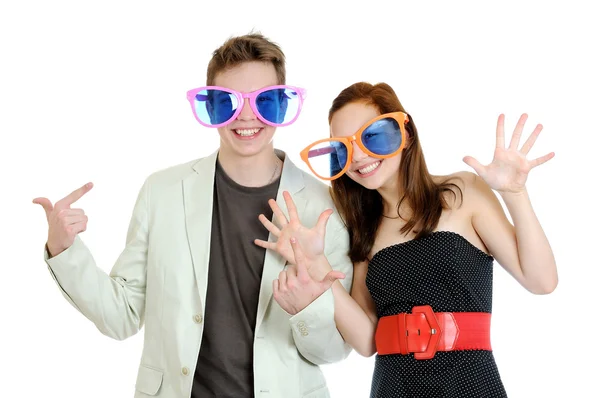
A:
(447, 272)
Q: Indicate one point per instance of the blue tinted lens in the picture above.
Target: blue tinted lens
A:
(328, 159)
(215, 106)
(278, 105)
(339, 157)
(382, 137)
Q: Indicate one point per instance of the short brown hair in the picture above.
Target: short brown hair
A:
(246, 48)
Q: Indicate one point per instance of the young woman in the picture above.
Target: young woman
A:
(423, 248)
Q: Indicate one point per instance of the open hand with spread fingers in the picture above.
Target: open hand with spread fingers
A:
(64, 223)
(311, 239)
(508, 171)
(296, 288)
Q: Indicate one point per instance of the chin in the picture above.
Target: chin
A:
(249, 151)
(247, 147)
(371, 183)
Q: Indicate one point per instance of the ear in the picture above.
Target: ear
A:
(409, 126)
(409, 141)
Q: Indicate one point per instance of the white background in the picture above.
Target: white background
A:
(95, 91)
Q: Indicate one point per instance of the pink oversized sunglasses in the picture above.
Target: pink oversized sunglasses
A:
(215, 106)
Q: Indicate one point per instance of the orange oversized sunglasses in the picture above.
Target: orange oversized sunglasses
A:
(382, 137)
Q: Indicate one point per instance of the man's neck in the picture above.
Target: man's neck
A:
(251, 171)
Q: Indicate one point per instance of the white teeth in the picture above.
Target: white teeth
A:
(246, 132)
(369, 168)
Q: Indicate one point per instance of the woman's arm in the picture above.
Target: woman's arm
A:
(355, 314)
(523, 249)
(309, 275)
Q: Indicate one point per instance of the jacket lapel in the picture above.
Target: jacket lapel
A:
(292, 180)
(198, 196)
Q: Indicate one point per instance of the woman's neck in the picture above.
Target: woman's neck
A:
(390, 193)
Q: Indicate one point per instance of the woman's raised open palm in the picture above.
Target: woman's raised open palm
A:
(312, 240)
(510, 167)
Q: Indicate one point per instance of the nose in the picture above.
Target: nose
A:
(357, 153)
(247, 113)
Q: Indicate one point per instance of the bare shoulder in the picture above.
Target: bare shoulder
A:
(477, 189)
(456, 187)
(468, 194)
(475, 201)
(473, 186)
(460, 178)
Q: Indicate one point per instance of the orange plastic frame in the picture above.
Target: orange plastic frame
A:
(400, 117)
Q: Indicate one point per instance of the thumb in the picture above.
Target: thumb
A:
(322, 221)
(331, 277)
(474, 164)
(45, 203)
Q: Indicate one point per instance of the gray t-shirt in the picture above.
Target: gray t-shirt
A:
(225, 362)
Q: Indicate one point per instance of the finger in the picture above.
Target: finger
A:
(291, 206)
(541, 160)
(300, 259)
(283, 280)
(531, 140)
(75, 211)
(276, 288)
(475, 165)
(266, 245)
(78, 227)
(281, 219)
(516, 137)
(70, 212)
(500, 132)
(69, 220)
(272, 228)
(74, 196)
(322, 221)
(45, 203)
(331, 277)
(291, 277)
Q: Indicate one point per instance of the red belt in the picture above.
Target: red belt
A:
(424, 332)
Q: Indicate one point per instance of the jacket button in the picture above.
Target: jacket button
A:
(198, 318)
(185, 371)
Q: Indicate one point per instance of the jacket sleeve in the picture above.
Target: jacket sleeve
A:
(115, 302)
(314, 330)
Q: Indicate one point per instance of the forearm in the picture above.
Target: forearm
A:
(112, 305)
(536, 259)
(355, 326)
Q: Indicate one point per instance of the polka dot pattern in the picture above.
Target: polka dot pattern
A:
(445, 271)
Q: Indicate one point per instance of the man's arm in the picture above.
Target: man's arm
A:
(115, 302)
(314, 330)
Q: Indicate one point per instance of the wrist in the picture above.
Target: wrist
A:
(53, 251)
(513, 195)
(319, 267)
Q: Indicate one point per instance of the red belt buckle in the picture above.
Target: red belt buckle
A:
(422, 332)
(429, 333)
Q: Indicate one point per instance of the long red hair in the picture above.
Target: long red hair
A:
(362, 208)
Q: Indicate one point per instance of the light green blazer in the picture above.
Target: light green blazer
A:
(159, 281)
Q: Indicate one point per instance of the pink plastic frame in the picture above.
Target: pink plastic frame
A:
(191, 94)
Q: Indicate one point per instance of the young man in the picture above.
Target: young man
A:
(191, 271)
